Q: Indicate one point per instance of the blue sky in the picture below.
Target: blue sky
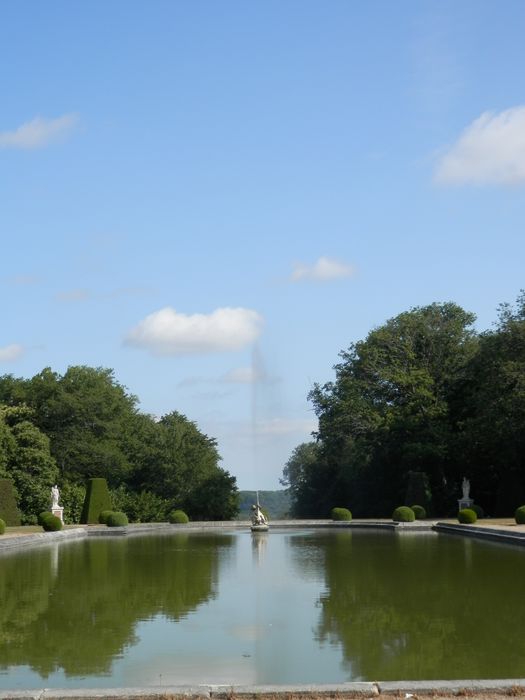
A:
(215, 198)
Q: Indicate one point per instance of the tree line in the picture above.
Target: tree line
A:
(424, 394)
(67, 428)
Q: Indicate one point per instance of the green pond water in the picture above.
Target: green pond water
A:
(281, 607)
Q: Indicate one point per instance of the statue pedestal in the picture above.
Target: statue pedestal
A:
(59, 512)
(465, 503)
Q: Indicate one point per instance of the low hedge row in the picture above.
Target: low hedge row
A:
(113, 518)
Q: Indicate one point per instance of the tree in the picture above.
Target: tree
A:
(387, 411)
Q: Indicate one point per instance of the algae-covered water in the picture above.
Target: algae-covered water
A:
(278, 607)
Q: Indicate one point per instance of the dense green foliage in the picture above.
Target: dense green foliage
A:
(423, 394)
(103, 516)
(480, 513)
(519, 515)
(467, 516)
(97, 500)
(419, 512)
(178, 516)
(340, 514)
(68, 428)
(2, 526)
(43, 516)
(275, 503)
(117, 519)
(52, 523)
(403, 514)
(8, 508)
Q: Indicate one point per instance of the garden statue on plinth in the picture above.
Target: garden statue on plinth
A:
(55, 508)
(465, 501)
(259, 521)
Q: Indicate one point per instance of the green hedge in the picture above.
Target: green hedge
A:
(52, 523)
(97, 499)
(117, 519)
(341, 514)
(478, 510)
(419, 512)
(103, 517)
(519, 515)
(403, 514)
(178, 516)
(2, 526)
(467, 516)
(8, 509)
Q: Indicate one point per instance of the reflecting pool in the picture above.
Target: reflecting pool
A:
(278, 607)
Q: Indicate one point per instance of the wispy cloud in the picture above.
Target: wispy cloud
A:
(168, 332)
(491, 150)
(10, 353)
(322, 270)
(73, 295)
(81, 295)
(39, 132)
(22, 280)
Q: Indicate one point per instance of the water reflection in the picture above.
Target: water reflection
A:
(406, 607)
(81, 612)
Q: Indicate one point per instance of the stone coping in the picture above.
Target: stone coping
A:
(407, 689)
(487, 530)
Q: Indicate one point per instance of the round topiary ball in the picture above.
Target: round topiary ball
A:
(419, 512)
(44, 515)
(178, 516)
(478, 510)
(2, 526)
(103, 517)
(467, 516)
(341, 514)
(52, 523)
(403, 514)
(519, 515)
(117, 519)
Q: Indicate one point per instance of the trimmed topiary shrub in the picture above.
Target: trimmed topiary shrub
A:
(403, 514)
(8, 509)
(419, 512)
(478, 510)
(97, 499)
(341, 514)
(467, 516)
(2, 527)
(117, 519)
(178, 516)
(103, 517)
(43, 516)
(52, 523)
(519, 515)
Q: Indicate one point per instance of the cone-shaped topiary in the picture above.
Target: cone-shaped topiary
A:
(419, 512)
(52, 523)
(341, 514)
(2, 527)
(519, 515)
(178, 516)
(117, 519)
(8, 509)
(403, 514)
(467, 516)
(97, 499)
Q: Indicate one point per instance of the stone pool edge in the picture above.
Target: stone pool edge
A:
(406, 689)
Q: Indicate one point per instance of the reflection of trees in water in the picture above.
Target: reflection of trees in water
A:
(403, 607)
(82, 618)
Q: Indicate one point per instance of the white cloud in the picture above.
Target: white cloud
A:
(168, 332)
(323, 270)
(10, 353)
(39, 132)
(491, 150)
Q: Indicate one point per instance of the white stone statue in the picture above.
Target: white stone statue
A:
(258, 517)
(55, 495)
(465, 485)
